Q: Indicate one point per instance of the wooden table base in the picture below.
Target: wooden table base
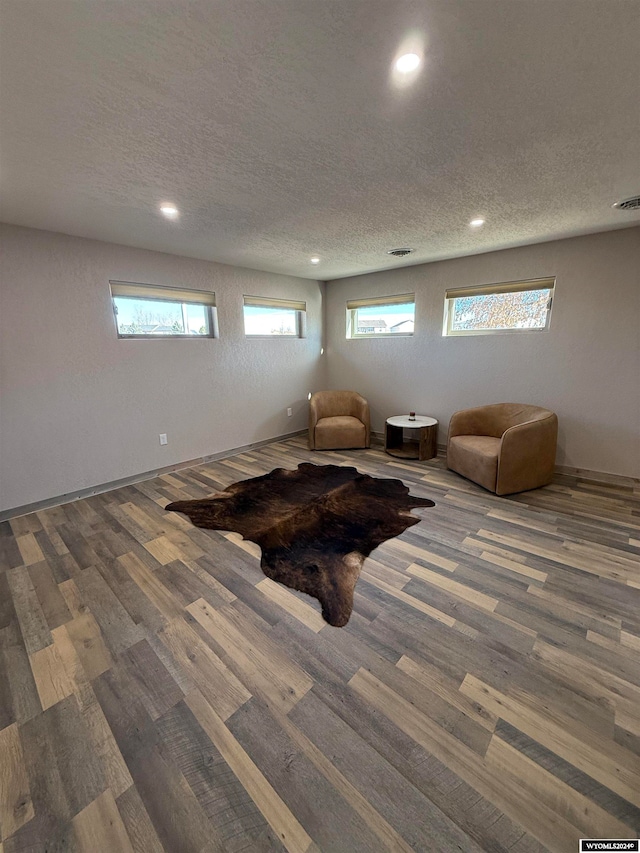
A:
(425, 447)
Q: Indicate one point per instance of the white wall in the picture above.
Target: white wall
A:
(586, 367)
(79, 408)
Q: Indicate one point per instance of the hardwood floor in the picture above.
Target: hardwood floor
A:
(158, 693)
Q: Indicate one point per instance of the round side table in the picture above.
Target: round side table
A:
(423, 447)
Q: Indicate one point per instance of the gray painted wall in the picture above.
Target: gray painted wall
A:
(586, 367)
(79, 408)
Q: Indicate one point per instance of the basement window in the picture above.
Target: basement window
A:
(514, 306)
(266, 318)
(381, 316)
(152, 311)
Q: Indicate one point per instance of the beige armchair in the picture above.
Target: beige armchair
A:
(338, 420)
(505, 447)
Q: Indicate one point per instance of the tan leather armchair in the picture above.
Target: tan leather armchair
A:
(505, 447)
(338, 420)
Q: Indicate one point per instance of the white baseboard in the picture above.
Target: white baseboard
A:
(7, 514)
(567, 470)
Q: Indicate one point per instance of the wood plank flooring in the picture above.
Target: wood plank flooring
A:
(158, 693)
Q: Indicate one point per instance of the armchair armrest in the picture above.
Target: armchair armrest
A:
(527, 455)
(361, 411)
(470, 422)
(314, 417)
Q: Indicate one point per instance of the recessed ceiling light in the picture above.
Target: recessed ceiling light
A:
(476, 223)
(408, 62)
(169, 210)
(315, 260)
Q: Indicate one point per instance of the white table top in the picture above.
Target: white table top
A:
(403, 421)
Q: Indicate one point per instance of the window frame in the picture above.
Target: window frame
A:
(523, 286)
(271, 303)
(171, 295)
(382, 302)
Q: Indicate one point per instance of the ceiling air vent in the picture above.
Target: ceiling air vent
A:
(632, 203)
(399, 253)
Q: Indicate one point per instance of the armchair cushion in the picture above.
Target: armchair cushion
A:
(340, 432)
(505, 447)
(478, 456)
(338, 420)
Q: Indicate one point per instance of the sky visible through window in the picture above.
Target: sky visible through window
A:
(390, 316)
(149, 316)
(259, 320)
(519, 310)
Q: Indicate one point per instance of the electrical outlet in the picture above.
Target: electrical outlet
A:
(289, 412)
(163, 438)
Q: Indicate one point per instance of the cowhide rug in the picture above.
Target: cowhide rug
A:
(315, 526)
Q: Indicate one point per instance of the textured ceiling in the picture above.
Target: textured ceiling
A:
(278, 130)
